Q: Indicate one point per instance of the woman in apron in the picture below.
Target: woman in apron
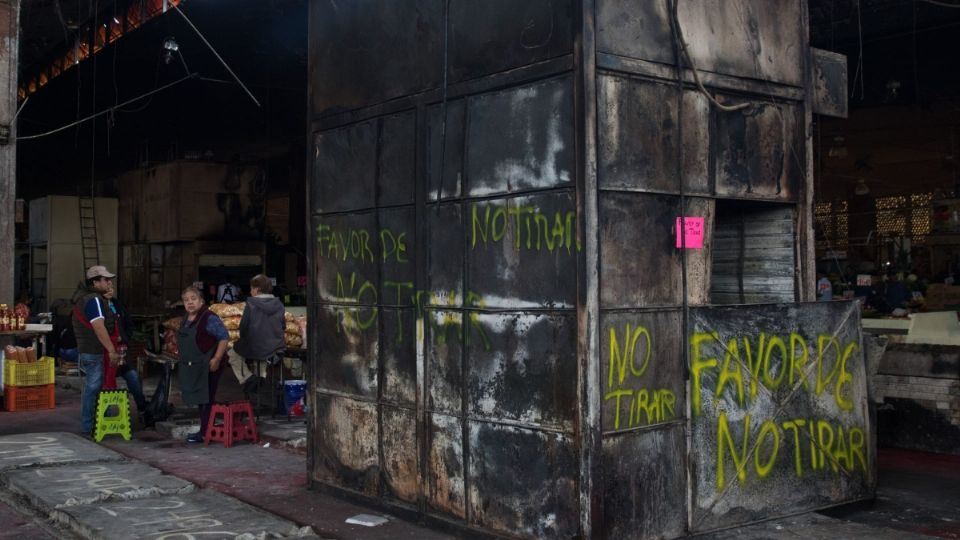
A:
(202, 340)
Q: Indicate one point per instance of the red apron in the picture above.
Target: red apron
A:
(109, 370)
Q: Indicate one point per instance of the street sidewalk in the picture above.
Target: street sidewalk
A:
(272, 478)
(917, 493)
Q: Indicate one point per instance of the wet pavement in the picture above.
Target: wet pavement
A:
(49, 481)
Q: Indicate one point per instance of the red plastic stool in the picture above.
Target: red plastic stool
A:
(233, 427)
(222, 432)
(244, 422)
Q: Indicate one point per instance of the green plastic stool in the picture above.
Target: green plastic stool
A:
(116, 424)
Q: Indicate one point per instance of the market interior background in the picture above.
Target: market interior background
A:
(883, 177)
(244, 158)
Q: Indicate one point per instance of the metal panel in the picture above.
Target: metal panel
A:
(445, 465)
(445, 143)
(780, 420)
(399, 356)
(401, 474)
(445, 255)
(344, 168)
(347, 343)
(641, 369)
(640, 143)
(639, 263)
(644, 484)
(699, 270)
(347, 252)
(394, 241)
(444, 354)
(829, 83)
(39, 221)
(522, 482)
(520, 368)
(345, 444)
(754, 258)
(521, 251)
(395, 178)
(365, 51)
(755, 39)
(520, 138)
(497, 35)
(759, 152)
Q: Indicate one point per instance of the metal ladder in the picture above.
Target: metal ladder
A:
(88, 232)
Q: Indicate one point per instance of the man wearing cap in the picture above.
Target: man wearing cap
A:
(93, 339)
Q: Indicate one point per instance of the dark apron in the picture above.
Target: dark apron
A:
(194, 366)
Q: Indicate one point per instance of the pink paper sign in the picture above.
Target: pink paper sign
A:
(693, 236)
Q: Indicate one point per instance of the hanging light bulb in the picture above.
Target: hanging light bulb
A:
(170, 46)
(862, 187)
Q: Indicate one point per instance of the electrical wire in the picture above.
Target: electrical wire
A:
(916, 68)
(858, 74)
(682, 232)
(678, 35)
(672, 5)
(22, 105)
(443, 105)
(105, 111)
(215, 53)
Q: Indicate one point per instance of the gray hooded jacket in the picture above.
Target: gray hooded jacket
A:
(261, 328)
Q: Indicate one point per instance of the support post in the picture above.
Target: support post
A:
(9, 54)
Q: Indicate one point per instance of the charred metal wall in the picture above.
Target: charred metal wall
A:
(502, 317)
(445, 251)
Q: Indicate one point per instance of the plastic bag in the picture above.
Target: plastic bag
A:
(159, 407)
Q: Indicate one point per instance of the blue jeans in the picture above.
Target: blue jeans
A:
(91, 365)
(129, 374)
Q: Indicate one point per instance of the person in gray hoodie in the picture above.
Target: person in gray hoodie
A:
(261, 327)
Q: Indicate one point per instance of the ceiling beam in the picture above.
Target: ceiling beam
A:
(101, 30)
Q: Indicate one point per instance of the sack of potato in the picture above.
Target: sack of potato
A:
(225, 311)
(170, 343)
(173, 323)
(302, 325)
(293, 331)
(20, 354)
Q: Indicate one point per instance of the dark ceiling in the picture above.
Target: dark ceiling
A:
(897, 50)
(263, 41)
(900, 52)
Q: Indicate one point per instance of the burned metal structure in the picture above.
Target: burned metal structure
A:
(509, 332)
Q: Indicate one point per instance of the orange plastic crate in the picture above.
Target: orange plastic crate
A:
(28, 398)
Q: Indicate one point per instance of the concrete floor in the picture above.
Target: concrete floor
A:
(918, 494)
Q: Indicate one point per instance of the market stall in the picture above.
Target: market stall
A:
(276, 374)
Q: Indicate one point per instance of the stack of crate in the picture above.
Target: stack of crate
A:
(28, 386)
